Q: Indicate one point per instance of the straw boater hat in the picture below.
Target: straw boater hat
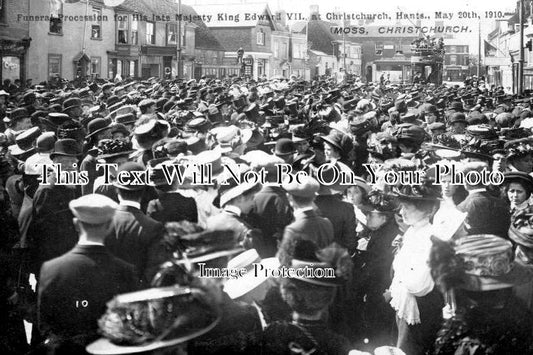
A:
(230, 188)
(238, 287)
(155, 318)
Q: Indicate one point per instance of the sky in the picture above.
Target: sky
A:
(392, 6)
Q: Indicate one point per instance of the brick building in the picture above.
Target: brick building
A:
(14, 39)
(246, 26)
(147, 39)
(329, 51)
(73, 45)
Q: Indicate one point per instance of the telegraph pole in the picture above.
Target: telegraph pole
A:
(521, 59)
(179, 72)
(478, 48)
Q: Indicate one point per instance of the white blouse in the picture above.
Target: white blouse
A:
(412, 275)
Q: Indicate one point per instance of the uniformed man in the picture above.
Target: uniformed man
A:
(75, 287)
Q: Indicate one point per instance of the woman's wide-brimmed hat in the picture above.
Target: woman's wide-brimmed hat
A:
(340, 141)
(489, 263)
(155, 318)
(427, 191)
(521, 229)
(379, 202)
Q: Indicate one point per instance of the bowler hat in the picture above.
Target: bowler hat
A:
(97, 125)
(70, 103)
(18, 113)
(284, 146)
(127, 169)
(46, 142)
(66, 147)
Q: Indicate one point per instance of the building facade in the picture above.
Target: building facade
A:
(14, 40)
(329, 52)
(457, 65)
(73, 42)
(233, 26)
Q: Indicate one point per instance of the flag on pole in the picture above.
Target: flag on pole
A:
(490, 50)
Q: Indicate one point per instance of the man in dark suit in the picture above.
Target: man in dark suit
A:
(340, 213)
(171, 206)
(236, 200)
(135, 237)
(74, 288)
(271, 211)
(51, 229)
(486, 213)
(307, 223)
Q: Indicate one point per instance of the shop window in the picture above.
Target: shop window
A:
(54, 65)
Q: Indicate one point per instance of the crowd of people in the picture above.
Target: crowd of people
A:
(97, 263)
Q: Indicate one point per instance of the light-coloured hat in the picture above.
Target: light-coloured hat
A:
(248, 260)
(93, 208)
(307, 186)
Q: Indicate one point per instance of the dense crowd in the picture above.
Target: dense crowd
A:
(113, 260)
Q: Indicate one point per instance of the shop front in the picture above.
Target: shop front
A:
(13, 56)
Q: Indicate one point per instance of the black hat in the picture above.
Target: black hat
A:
(239, 102)
(519, 176)
(18, 113)
(107, 86)
(457, 117)
(378, 201)
(339, 140)
(72, 102)
(126, 118)
(94, 87)
(457, 106)
(25, 142)
(426, 191)
(131, 184)
(284, 146)
(55, 119)
(97, 125)
(120, 128)
(66, 147)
